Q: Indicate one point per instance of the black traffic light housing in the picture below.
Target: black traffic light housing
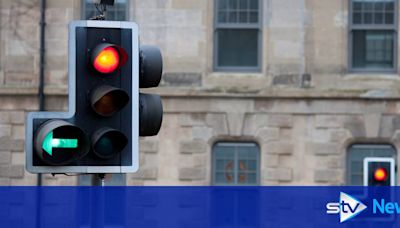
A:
(379, 171)
(150, 106)
(106, 112)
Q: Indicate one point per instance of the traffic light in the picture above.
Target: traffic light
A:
(106, 112)
(379, 171)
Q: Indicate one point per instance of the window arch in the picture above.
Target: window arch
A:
(236, 163)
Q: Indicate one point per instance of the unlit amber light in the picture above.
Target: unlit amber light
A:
(380, 174)
(107, 60)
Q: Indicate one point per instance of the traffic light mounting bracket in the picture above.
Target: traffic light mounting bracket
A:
(72, 105)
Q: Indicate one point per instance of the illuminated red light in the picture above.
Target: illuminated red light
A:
(107, 60)
(380, 174)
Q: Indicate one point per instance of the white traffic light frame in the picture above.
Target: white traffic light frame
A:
(72, 105)
(367, 160)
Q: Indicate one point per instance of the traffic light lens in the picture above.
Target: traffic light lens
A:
(107, 60)
(104, 146)
(106, 100)
(380, 174)
(108, 142)
(60, 143)
(105, 105)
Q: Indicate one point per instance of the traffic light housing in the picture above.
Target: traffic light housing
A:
(106, 112)
(379, 171)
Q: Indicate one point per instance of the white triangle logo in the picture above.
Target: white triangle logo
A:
(349, 207)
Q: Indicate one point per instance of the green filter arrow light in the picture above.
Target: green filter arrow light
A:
(49, 143)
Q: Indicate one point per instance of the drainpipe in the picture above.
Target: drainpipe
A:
(42, 65)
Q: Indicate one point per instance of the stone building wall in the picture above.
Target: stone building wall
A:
(303, 109)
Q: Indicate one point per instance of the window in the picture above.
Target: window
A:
(373, 35)
(117, 12)
(236, 163)
(355, 159)
(237, 39)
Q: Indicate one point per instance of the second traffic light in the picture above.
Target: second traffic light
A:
(99, 134)
(379, 171)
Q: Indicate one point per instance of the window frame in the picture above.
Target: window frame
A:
(349, 172)
(352, 27)
(83, 10)
(235, 171)
(256, 26)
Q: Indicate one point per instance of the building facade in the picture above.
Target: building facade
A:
(255, 92)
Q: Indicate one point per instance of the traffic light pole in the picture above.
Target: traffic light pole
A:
(97, 209)
(98, 179)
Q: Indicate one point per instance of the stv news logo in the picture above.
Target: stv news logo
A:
(348, 207)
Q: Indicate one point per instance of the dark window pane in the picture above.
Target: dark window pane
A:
(251, 178)
(379, 6)
(243, 166)
(373, 49)
(368, 18)
(222, 17)
(222, 4)
(357, 18)
(243, 4)
(357, 180)
(373, 12)
(254, 17)
(368, 6)
(378, 18)
(252, 165)
(243, 17)
(225, 165)
(232, 5)
(233, 17)
(389, 6)
(389, 18)
(238, 11)
(357, 166)
(357, 6)
(253, 4)
(226, 152)
(243, 178)
(224, 178)
(237, 47)
(247, 152)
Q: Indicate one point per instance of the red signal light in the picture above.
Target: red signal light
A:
(380, 174)
(107, 60)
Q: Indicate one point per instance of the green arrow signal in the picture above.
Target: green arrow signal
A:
(49, 143)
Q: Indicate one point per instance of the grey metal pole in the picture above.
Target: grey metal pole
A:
(98, 179)
(97, 215)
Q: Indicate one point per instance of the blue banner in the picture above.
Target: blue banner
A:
(199, 207)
